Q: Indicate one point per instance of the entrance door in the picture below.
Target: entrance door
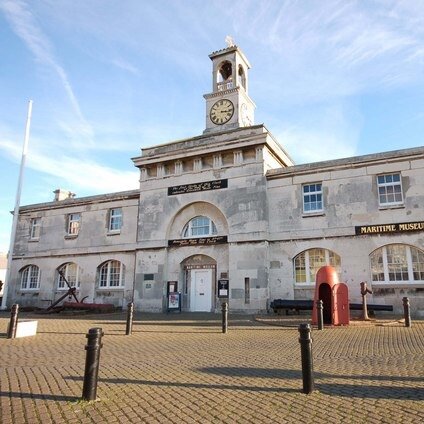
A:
(201, 290)
(325, 295)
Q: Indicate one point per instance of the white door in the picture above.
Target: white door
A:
(201, 290)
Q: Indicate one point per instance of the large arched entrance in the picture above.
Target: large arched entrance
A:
(199, 282)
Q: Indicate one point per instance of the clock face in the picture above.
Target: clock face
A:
(221, 111)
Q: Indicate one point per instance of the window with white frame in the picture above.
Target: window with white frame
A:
(74, 224)
(307, 264)
(115, 219)
(111, 274)
(35, 228)
(200, 226)
(397, 263)
(312, 198)
(389, 189)
(70, 271)
(30, 278)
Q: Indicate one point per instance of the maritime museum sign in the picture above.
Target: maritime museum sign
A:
(405, 227)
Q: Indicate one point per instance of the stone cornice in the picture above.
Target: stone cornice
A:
(101, 198)
(221, 93)
(352, 162)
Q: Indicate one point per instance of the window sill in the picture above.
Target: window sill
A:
(66, 289)
(34, 240)
(313, 214)
(29, 291)
(113, 233)
(108, 289)
(390, 207)
(397, 285)
(71, 236)
(304, 286)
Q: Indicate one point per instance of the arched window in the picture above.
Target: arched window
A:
(307, 264)
(111, 274)
(70, 271)
(199, 226)
(397, 263)
(241, 77)
(225, 76)
(30, 278)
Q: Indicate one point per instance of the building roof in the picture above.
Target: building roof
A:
(100, 198)
(350, 162)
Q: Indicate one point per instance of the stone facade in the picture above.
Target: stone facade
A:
(3, 267)
(230, 205)
(52, 247)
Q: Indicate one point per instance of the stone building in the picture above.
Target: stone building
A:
(229, 213)
(3, 267)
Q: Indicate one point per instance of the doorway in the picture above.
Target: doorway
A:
(326, 296)
(201, 290)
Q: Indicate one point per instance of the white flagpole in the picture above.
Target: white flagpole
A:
(16, 210)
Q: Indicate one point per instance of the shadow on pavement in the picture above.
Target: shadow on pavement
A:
(190, 385)
(289, 374)
(372, 392)
(40, 396)
(347, 390)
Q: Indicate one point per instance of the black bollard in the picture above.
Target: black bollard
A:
(130, 312)
(407, 312)
(306, 354)
(320, 307)
(92, 362)
(13, 323)
(224, 317)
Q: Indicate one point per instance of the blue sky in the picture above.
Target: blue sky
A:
(330, 79)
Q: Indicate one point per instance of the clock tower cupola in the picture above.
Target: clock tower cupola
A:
(229, 105)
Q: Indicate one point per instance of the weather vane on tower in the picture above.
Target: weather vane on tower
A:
(230, 41)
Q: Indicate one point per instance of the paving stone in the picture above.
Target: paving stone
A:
(180, 368)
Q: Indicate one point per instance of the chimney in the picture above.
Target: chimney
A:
(61, 194)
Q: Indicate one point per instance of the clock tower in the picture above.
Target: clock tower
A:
(229, 105)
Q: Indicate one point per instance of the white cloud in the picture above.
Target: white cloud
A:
(322, 49)
(76, 173)
(86, 175)
(25, 26)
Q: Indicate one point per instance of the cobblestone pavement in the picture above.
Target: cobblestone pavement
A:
(180, 368)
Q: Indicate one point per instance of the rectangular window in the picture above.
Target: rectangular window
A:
(74, 222)
(247, 290)
(389, 189)
(35, 228)
(312, 198)
(115, 219)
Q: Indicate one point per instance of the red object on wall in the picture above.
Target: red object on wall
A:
(334, 295)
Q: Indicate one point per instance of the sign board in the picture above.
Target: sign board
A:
(192, 188)
(200, 241)
(172, 287)
(173, 302)
(223, 288)
(405, 227)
